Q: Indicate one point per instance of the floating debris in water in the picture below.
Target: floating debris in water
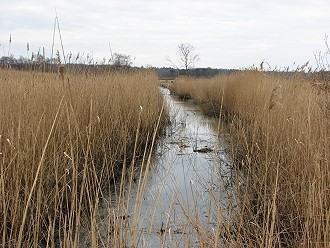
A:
(205, 149)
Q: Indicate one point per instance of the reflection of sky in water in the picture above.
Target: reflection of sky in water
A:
(181, 178)
(184, 176)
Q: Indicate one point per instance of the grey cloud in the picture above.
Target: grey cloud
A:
(227, 33)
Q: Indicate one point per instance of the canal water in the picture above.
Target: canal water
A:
(188, 186)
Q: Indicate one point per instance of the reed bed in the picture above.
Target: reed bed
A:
(279, 140)
(64, 138)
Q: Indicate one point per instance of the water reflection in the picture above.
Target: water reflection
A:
(186, 186)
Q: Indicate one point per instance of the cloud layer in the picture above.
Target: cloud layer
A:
(226, 34)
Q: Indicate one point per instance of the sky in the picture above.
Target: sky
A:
(226, 34)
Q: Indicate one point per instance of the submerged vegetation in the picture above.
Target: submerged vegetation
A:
(279, 140)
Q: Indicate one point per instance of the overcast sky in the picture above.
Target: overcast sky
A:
(226, 34)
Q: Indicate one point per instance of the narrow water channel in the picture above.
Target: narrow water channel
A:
(187, 183)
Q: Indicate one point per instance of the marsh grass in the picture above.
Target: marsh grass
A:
(279, 126)
(64, 138)
(77, 145)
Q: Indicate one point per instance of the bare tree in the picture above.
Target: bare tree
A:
(121, 60)
(187, 56)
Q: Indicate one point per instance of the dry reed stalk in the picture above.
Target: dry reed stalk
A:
(62, 70)
(48, 192)
(275, 97)
(275, 149)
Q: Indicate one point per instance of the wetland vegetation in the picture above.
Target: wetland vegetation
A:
(79, 152)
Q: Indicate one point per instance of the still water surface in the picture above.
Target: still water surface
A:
(188, 181)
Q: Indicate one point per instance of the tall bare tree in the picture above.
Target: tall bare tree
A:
(187, 56)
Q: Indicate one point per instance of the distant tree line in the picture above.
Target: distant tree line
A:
(39, 63)
(169, 72)
(184, 64)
